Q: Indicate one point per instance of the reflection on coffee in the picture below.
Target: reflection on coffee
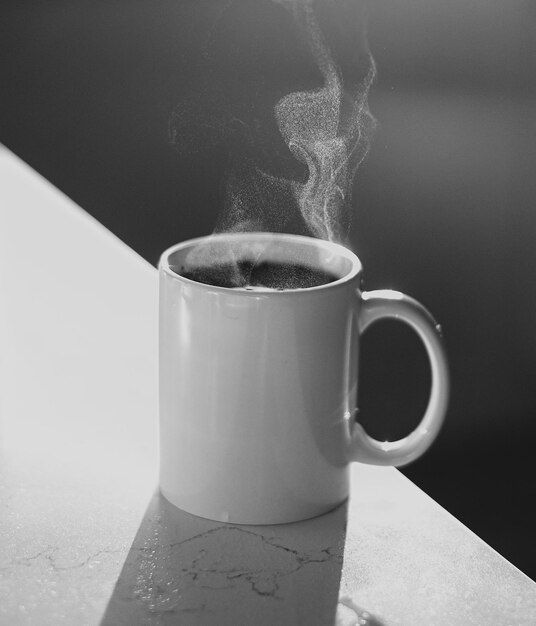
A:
(266, 274)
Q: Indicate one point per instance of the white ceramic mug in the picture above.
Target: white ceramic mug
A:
(258, 389)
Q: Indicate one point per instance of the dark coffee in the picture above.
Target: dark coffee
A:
(266, 274)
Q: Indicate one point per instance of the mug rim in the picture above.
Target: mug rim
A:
(337, 248)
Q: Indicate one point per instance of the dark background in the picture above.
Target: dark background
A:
(442, 207)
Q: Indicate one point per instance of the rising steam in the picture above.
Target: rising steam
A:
(292, 156)
(329, 130)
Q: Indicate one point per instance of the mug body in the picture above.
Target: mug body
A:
(257, 388)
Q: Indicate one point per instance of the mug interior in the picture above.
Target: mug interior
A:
(234, 248)
(263, 247)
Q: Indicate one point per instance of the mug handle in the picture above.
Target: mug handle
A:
(386, 303)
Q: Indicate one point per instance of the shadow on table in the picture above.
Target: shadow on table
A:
(183, 569)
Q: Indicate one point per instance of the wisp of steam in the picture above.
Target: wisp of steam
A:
(329, 130)
(326, 131)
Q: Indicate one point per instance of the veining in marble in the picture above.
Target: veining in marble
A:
(181, 567)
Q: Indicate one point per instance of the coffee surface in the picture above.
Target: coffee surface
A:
(267, 274)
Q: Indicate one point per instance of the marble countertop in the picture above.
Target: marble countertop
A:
(85, 538)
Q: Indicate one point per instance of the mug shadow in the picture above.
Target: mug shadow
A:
(182, 569)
